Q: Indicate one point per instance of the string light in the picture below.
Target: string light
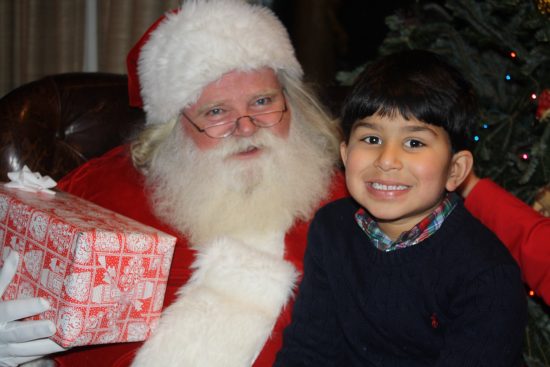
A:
(508, 77)
(531, 293)
(513, 55)
(485, 126)
(533, 96)
(525, 156)
(476, 138)
(544, 6)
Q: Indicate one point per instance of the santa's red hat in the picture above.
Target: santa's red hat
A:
(189, 48)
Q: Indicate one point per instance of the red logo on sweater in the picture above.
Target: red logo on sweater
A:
(435, 321)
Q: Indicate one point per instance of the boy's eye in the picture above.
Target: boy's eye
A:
(372, 140)
(413, 143)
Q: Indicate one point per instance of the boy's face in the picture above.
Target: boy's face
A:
(398, 169)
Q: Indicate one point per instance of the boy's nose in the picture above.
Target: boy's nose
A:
(388, 159)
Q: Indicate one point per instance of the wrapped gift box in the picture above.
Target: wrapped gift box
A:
(104, 274)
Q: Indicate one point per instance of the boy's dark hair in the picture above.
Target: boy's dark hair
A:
(418, 84)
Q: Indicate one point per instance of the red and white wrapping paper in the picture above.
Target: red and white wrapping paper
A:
(104, 274)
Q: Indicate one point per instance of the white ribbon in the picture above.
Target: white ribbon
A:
(30, 181)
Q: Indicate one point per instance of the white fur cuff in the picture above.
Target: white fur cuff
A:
(225, 313)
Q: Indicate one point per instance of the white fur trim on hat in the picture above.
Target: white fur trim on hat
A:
(204, 40)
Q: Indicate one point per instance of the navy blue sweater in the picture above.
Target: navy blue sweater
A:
(455, 299)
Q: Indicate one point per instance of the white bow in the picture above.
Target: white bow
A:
(27, 180)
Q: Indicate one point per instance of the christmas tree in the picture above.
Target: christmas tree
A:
(503, 48)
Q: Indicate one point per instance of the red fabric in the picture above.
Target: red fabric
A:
(112, 182)
(524, 231)
(134, 87)
(544, 103)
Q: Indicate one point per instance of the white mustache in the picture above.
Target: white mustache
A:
(234, 145)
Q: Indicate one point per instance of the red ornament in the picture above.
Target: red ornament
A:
(544, 104)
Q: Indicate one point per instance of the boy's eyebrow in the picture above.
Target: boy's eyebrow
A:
(421, 128)
(409, 128)
(365, 124)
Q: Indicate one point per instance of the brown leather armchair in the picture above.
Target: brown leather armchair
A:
(57, 123)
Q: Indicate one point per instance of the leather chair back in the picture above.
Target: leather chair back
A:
(57, 123)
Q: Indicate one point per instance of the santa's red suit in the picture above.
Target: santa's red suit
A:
(111, 181)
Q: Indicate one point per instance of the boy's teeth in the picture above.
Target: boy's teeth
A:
(379, 186)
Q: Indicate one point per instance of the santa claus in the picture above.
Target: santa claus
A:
(236, 156)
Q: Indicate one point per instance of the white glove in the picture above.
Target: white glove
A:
(22, 341)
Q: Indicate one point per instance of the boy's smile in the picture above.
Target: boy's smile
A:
(398, 169)
(387, 189)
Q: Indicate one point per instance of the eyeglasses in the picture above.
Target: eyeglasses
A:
(223, 129)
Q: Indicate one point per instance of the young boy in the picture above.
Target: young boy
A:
(402, 274)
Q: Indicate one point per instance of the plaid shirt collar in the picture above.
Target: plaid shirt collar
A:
(424, 229)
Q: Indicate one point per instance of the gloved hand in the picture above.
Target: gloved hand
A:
(22, 341)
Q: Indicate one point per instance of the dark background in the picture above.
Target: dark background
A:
(335, 35)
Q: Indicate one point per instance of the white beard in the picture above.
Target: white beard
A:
(236, 214)
(205, 195)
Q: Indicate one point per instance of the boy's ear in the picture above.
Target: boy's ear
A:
(343, 152)
(461, 165)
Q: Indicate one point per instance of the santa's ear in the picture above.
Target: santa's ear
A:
(461, 165)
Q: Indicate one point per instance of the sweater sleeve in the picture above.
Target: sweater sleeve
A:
(525, 232)
(313, 336)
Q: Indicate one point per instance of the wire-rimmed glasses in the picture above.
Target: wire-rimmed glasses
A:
(223, 129)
